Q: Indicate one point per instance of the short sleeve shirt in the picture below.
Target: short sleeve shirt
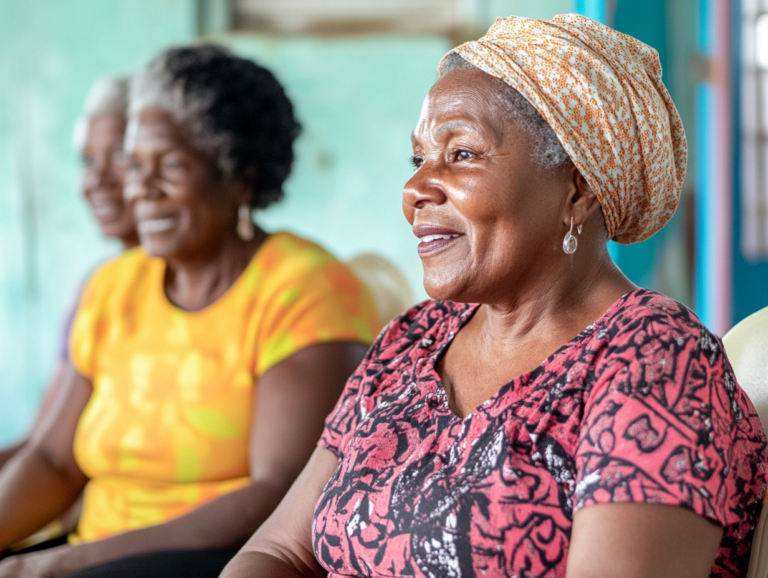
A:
(642, 407)
(167, 426)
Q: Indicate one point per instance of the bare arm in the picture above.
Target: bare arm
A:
(294, 398)
(282, 547)
(641, 541)
(42, 480)
(57, 382)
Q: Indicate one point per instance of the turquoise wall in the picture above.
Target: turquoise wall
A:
(50, 52)
(358, 99)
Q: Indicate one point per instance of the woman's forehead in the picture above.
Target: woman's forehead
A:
(462, 100)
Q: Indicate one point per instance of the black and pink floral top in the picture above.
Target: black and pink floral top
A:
(642, 406)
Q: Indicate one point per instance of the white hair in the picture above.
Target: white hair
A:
(108, 94)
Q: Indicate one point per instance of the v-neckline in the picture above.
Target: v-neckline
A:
(521, 379)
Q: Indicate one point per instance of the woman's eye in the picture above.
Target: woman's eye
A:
(132, 165)
(415, 161)
(463, 155)
(86, 161)
(171, 164)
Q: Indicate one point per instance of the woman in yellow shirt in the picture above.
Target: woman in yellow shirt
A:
(206, 360)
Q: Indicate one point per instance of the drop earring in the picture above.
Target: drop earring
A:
(571, 243)
(245, 228)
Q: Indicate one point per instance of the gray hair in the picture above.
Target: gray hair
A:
(547, 150)
(157, 86)
(233, 111)
(109, 94)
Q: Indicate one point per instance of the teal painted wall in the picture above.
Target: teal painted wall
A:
(50, 52)
(358, 100)
(357, 97)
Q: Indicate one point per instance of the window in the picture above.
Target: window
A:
(754, 101)
(349, 16)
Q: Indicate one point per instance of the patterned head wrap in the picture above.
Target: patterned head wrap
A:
(601, 92)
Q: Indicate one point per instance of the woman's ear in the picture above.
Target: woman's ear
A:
(581, 201)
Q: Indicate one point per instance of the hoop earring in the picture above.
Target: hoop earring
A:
(245, 228)
(571, 243)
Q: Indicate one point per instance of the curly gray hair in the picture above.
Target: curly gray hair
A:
(234, 111)
(109, 94)
(547, 151)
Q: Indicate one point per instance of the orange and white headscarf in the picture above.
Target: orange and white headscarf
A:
(601, 92)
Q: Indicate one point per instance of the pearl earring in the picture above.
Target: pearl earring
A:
(571, 243)
(245, 229)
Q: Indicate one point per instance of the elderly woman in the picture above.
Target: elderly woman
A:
(207, 359)
(543, 416)
(98, 137)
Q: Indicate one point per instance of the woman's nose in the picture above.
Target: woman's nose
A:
(424, 187)
(139, 184)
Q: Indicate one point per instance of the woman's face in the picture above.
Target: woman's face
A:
(102, 176)
(488, 218)
(183, 209)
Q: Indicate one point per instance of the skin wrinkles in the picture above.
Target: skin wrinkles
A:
(475, 176)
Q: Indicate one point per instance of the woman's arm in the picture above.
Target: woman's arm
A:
(55, 384)
(42, 480)
(641, 541)
(282, 547)
(294, 397)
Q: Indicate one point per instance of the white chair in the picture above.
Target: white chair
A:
(747, 348)
(389, 287)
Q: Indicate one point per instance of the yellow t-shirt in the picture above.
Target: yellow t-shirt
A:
(167, 426)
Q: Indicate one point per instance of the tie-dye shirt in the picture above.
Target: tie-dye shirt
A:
(167, 426)
(642, 406)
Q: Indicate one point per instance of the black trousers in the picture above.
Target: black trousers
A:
(166, 564)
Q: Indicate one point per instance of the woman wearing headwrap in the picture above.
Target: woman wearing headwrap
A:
(542, 416)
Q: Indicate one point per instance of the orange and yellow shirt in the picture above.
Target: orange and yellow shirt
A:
(167, 426)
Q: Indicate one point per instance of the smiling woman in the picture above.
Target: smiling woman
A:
(541, 416)
(204, 361)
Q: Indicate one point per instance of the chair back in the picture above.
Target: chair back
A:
(389, 287)
(747, 348)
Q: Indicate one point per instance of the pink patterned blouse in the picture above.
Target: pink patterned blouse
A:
(642, 406)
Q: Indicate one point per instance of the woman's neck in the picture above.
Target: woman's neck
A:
(194, 284)
(558, 306)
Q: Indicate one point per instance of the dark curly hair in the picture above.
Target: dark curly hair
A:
(235, 112)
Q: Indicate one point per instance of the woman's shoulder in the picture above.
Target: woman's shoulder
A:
(120, 270)
(287, 251)
(644, 313)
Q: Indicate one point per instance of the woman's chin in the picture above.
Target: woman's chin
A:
(443, 287)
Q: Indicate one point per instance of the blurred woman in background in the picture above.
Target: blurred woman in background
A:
(98, 137)
(207, 358)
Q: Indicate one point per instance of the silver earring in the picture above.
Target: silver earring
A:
(245, 229)
(571, 243)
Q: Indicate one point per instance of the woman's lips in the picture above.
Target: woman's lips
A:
(433, 238)
(106, 211)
